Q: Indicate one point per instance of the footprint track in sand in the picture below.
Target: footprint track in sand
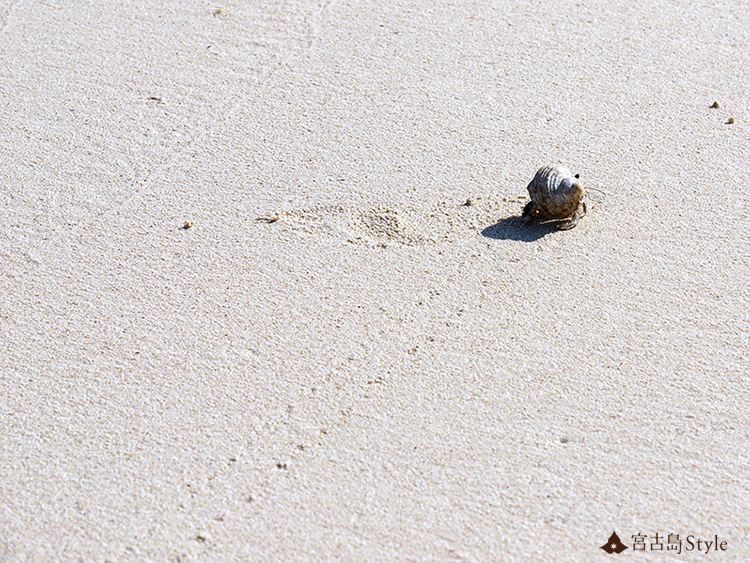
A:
(408, 226)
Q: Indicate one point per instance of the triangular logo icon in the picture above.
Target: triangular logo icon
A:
(614, 545)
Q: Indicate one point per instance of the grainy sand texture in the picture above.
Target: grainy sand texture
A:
(266, 294)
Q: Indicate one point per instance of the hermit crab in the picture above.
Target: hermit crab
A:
(556, 195)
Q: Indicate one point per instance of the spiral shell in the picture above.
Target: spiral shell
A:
(555, 195)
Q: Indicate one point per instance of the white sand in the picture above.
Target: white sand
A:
(383, 373)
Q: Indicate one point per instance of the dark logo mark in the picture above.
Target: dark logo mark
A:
(614, 545)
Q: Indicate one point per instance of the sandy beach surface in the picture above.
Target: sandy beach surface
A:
(265, 292)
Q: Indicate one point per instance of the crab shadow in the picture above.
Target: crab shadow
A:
(513, 228)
